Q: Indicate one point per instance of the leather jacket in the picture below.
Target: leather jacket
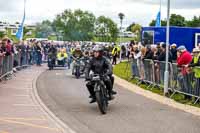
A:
(52, 52)
(99, 65)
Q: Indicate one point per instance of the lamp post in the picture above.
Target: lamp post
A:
(121, 17)
(166, 81)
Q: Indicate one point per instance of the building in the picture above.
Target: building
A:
(11, 29)
(7, 28)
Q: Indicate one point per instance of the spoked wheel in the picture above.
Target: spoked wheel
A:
(102, 100)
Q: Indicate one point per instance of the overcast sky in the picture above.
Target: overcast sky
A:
(139, 11)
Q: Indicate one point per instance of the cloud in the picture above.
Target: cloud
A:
(13, 4)
(181, 4)
(140, 11)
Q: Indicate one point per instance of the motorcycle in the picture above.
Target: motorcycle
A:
(78, 66)
(51, 63)
(101, 92)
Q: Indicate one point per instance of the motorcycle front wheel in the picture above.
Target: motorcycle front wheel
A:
(101, 100)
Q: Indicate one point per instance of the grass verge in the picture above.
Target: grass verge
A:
(123, 70)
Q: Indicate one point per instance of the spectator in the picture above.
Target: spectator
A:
(3, 45)
(184, 59)
(22, 50)
(198, 45)
(162, 56)
(39, 53)
(195, 64)
(123, 51)
(141, 65)
(149, 53)
(155, 51)
(136, 55)
(174, 52)
(8, 47)
(115, 54)
(15, 63)
(1, 50)
(46, 49)
(129, 51)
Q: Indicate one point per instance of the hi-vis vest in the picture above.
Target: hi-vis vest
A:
(72, 50)
(196, 69)
(115, 50)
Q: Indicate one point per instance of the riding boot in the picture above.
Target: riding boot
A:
(91, 91)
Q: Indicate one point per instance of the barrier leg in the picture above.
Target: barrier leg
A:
(173, 94)
(197, 100)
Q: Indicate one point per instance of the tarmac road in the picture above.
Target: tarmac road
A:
(68, 99)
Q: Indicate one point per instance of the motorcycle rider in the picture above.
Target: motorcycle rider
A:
(62, 56)
(99, 65)
(52, 54)
(77, 53)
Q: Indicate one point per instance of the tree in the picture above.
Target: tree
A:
(153, 23)
(195, 22)
(1, 34)
(175, 20)
(121, 17)
(137, 30)
(76, 26)
(106, 29)
(44, 29)
(130, 26)
(17, 22)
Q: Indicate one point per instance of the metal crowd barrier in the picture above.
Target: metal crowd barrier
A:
(1, 66)
(149, 72)
(186, 83)
(152, 73)
(8, 63)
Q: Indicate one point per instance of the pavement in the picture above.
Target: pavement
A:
(20, 112)
(130, 112)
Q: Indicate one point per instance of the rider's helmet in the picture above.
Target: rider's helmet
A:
(78, 47)
(98, 49)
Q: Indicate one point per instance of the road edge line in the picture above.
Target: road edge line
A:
(158, 98)
(49, 114)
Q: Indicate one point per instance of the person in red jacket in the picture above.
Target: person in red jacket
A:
(8, 48)
(183, 60)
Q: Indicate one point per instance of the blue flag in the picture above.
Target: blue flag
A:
(19, 33)
(158, 20)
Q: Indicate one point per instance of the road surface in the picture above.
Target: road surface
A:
(68, 99)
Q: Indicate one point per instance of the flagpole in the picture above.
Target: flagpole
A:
(24, 16)
(160, 12)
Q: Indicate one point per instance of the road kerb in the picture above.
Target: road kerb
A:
(49, 114)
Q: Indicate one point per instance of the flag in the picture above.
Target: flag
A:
(158, 20)
(19, 34)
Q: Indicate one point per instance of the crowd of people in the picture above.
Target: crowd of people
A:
(35, 52)
(187, 64)
(30, 51)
